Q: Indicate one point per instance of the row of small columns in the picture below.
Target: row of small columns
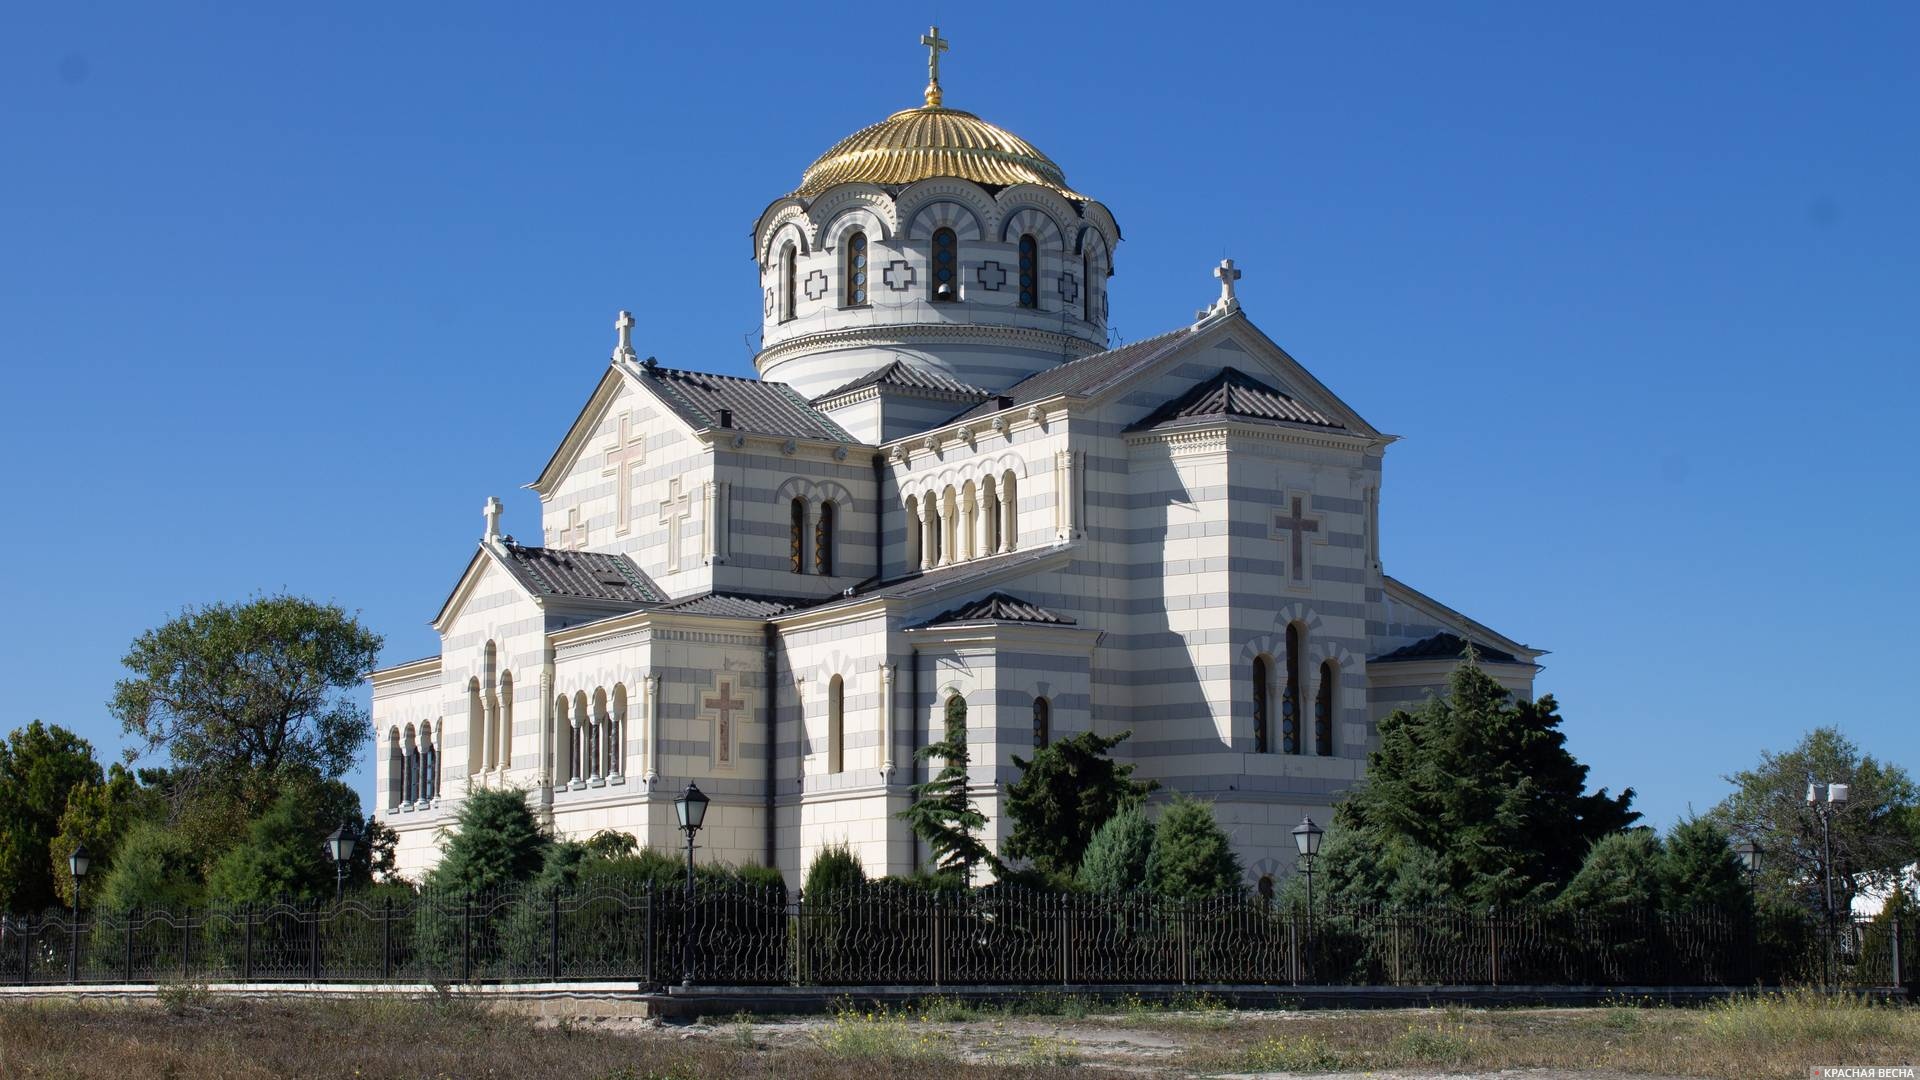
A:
(967, 529)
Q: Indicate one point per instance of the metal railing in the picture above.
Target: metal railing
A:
(888, 934)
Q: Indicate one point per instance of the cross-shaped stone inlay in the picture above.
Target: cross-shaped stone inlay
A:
(816, 284)
(1069, 287)
(674, 510)
(629, 449)
(723, 705)
(1227, 275)
(575, 534)
(769, 309)
(898, 275)
(991, 275)
(1299, 524)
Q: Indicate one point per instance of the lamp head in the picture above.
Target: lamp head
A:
(78, 861)
(1749, 855)
(1837, 794)
(340, 843)
(1306, 836)
(691, 808)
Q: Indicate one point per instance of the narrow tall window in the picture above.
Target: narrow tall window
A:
(914, 529)
(617, 734)
(1029, 271)
(956, 718)
(505, 742)
(476, 727)
(823, 541)
(836, 725)
(562, 742)
(789, 282)
(430, 761)
(1042, 722)
(410, 765)
(946, 266)
(1086, 288)
(1290, 696)
(856, 290)
(396, 770)
(1260, 679)
(582, 736)
(796, 535)
(1323, 711)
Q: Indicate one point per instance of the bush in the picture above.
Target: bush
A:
(835, 869)
(1116, 859)
(496, 842)
(1623, 875)
(154, 867)
(1191, 855)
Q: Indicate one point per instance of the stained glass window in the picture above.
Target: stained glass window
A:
(790, 282)
(1260, 680)
(823, 541)
(1042, 721)
(1290, 697)
(856, 292)
(1323, 712)
(1029, 272)
(946, 265)
(796, 529)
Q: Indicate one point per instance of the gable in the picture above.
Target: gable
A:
(616, 390)
(1411, 617)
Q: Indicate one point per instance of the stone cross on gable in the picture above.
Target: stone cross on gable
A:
(574, 536)
(1299, 525)
(1227, 275)
(723, 704)
(629, 449)
(674, 510)
(492, 512)
(623, 330)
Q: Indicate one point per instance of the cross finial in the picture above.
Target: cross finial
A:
(1227, 275)
(623, 328)
(935, 46)
(492, 511)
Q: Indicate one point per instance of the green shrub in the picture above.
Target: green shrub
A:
(1116, 858)
(496, 842)
(835, 869)
(155, 867)
(1191, 855)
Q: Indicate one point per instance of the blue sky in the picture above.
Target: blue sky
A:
(284, 295)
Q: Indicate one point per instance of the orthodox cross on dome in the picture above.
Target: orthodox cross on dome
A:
(935, 46)
(673, 514)
(623, 342)
(629, 449)
(1298, 523)
(1227, 274)
(723, 704)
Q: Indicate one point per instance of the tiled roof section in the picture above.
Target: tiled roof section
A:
(737, 605)
(582, 575)
(1445, 646)
(1234, 393)
(765, 408)
(999, 607)
(906, 376)
(1088, 375)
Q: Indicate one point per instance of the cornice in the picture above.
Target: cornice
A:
(854, 337)
(395, 678)
(1225, 434)
(1074, 638)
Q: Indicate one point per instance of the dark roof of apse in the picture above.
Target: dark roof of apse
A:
(581, 575)
(765, 408)
(999, 607)
(737, 605)
(1088, 375)
(1234, 394)
(902, 375)
(1446, 646)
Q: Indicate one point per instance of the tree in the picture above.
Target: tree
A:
(1623, 875)
(252, 687)
(1116, 857)
(941, 813)
(1700, 870)
(1069, 789)
(1873, 836)
(284, 855)
(98, 816)
(40, 765)
(835, 869)
(1191, 855)
(154, 867)
(1477, 794)
(495, 842)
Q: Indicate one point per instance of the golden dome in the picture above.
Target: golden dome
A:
(914, 144)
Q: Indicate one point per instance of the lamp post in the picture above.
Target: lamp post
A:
(1306, 837)
(691, 809)
(1749, 854)
(1824, 809)
(77, 866)
(340, 847)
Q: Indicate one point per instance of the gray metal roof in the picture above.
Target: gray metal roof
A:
(1446, 646)
(1086, 376)
(1233, 393)
(905, 376)
(764, 408)
(582, 575)
(999, 607)
(737, 605)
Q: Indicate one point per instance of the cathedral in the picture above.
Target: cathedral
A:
(949, 498)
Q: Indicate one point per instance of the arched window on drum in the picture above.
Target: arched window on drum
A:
(1029, 271)
(945, 278)
(855, 292)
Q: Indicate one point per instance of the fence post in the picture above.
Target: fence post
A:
(553, 931)
(26, 951)
(650, 917)
(1060, 924)
(1493, 944)
(937, 945)
(1293, 945)
(313, 945)
(1894, 978)
(186, 945)
(386, 939)
(246, 942)
(127, 960)
(466, 938)
(1181, 921)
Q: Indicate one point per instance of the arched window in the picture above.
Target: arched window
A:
(796, 535)
(1009, 511)
(789, 282)
(949, 526)
(410, 767)
(836, 724)
(582, 737)
(1029, 272)
(856, 290)
(823, 541)
(616, 734)
(476, 728)
(562, 743)
(597, 742)
(989, 517)
(396, 770)
(914, 529)
(946, 266)
(1086, 287)
(1262, 678)
(1323, 711)
(490, 706)
(505, 742)
(1290, 695)
(429, 762)
(1042, 722)
(956, 718)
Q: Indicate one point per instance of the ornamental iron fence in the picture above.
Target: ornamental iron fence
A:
(884, 933)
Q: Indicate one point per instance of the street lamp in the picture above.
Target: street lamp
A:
(340, 846)
(1306, 837)
(77, 866)
(1749, 856)
(691, 809)
(1836, 801)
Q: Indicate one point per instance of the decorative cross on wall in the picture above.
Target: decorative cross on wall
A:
(723, 704)
(575, 534)
(674, 510)
(1298, 524)
(629, 449)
